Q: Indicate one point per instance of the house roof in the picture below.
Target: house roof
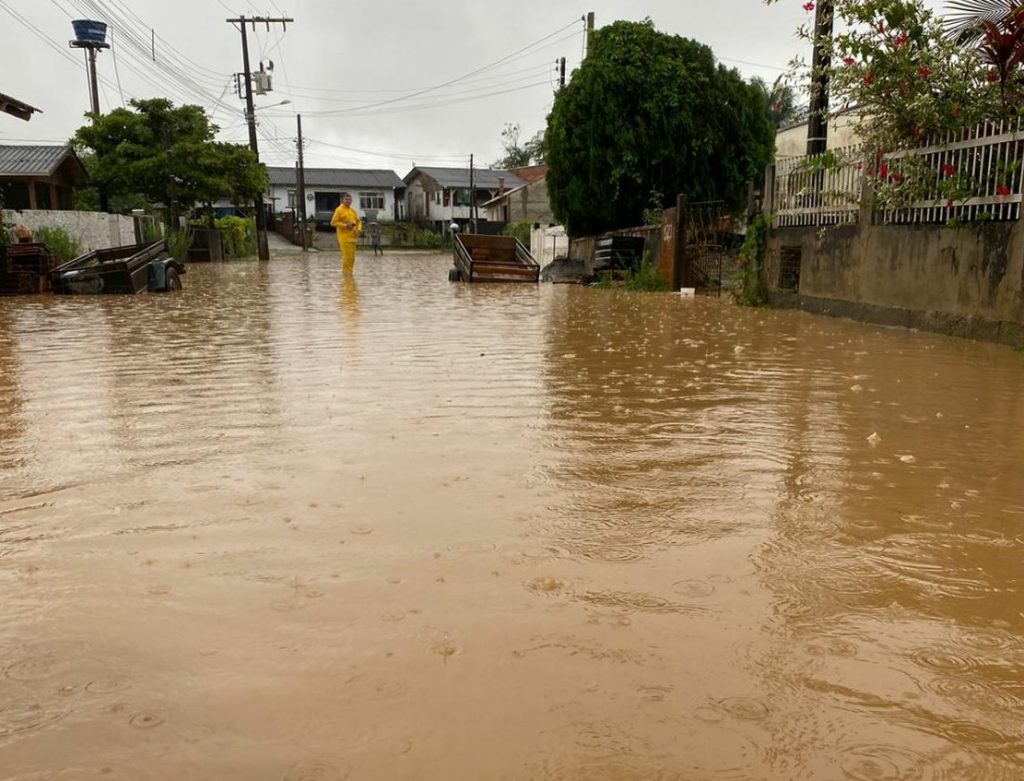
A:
(38, 161)
(484, 178)
(505, 195)
(531, 173)
(337, 177)
(17, 108)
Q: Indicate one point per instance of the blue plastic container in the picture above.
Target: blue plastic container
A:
(88, 31)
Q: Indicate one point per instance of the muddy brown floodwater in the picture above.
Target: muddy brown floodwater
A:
(275, 528)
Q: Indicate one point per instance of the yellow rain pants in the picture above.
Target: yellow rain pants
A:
(348, 255)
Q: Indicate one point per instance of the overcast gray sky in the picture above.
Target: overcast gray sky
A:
(365, 76)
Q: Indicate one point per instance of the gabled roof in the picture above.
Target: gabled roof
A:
(38, 161)
(484, 178)
(337, 177)
(17, 108)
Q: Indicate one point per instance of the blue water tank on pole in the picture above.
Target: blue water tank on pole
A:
(89, 32)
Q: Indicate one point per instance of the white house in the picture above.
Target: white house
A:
(442, 195)
(376, 194)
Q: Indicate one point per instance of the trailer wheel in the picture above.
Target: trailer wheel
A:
(173, 280)
(454, 275)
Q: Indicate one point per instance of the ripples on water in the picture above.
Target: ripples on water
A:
(577, 533)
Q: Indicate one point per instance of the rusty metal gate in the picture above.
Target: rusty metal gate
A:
(703, 227)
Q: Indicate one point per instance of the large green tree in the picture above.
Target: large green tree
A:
(168, 154)
(649, 115)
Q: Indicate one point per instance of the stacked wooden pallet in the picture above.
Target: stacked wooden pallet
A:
(25, 269)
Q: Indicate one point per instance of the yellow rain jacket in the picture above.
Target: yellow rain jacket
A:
(343, 217)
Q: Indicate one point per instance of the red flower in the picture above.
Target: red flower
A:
(900, 39)
(848, 61)
(1002, 190)
(808, 6)
(859, 166)
(992, 77)
(897, 178)
(924, 72)
(917, 132)
(869, 78)
(883, 171)
(948, 170)
(956, 111)
(949, 203)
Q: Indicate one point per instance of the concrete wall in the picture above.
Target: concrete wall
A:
(792, 141)
(546, 244)
(961, 281)
(93, 230)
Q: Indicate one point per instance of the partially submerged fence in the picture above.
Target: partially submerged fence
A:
(976, 175)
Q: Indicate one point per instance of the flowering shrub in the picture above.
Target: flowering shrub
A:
(912, 84)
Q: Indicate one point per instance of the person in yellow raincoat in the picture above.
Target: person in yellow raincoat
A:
(348, 226)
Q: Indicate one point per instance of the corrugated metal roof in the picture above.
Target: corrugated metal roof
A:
(337, 177)
(30, 160)
(484, 178)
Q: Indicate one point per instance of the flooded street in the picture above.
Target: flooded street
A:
(276, 528)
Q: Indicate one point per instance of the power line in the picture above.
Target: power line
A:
(354, 112)
(482, 69)
(117, 73)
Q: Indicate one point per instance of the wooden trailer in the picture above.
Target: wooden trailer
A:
(493, 259)
(130, 269)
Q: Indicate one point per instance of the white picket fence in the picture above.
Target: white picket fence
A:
(987, 161)
(806, 193)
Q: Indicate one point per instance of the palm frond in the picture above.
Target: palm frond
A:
(963, 19)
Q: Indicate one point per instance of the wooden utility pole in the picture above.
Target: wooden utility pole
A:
(301, 189)
(590, 29)
(561, 73)
(250, 117)
(817, 121)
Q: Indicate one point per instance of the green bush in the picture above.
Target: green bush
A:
(752, 292)
(429, 239)
(239, 236)
(178, 243)
(151, 231)
(645, 278)
(520, 230)
(60, 243)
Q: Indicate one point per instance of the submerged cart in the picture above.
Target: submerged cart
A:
(129, 269)
(492, 259)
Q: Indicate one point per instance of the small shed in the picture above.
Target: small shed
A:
(39, 177)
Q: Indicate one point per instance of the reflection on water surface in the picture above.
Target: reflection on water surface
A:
(283, 527)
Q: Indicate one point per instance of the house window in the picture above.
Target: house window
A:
(462, 197)
(371, 200)
(291, 199)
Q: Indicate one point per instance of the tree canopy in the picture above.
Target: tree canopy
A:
(519, 155)
(168, 154)
(647, 114)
